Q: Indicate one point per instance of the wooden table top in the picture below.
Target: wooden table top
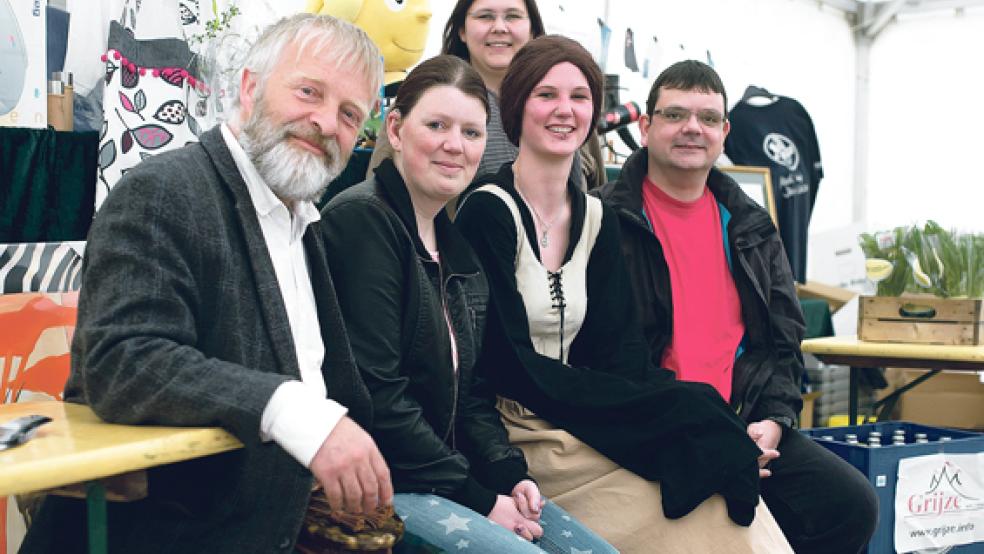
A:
(937, 356)
(77, 446)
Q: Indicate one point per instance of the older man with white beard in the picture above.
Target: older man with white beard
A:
(207, 301)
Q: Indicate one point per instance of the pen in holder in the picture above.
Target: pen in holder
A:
(56, 105)
(60, 102)
(68, 100)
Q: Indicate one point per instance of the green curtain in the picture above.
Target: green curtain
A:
(47, 184)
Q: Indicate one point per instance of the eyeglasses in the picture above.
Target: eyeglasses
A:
(711, 119)
(488, 17)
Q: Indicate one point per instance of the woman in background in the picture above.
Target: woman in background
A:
(487, 34)
(649, 462)
(414, 298)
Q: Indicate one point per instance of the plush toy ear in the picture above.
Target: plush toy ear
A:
(346, 10)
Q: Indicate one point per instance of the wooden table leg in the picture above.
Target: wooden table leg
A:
(852, 399)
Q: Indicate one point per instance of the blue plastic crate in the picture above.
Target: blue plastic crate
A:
(881, 466)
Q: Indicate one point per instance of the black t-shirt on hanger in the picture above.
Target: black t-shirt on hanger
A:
(780, 136)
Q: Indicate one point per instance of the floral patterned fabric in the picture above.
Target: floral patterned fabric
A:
(152, 101)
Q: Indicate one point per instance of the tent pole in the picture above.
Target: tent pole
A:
(862, 64)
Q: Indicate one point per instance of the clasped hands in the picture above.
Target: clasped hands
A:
(520, 512)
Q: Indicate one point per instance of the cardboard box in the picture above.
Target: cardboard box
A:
(836, 258)
(836, 297)
(949, 399)
(880, 466)
(806, 414)
(23, 64)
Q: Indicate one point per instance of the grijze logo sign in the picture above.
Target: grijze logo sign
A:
(939, 501)
(944, 494)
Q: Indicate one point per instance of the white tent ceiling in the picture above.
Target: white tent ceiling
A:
(870, 18)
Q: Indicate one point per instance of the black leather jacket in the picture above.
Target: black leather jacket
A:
(767, 375)
(436, 427)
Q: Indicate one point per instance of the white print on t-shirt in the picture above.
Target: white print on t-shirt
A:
(792, 184)
(781, 150)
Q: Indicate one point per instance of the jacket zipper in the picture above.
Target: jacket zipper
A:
(457, 373)
(740, 245)
(447, 317)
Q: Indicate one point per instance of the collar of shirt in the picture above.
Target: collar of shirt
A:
(265, 202)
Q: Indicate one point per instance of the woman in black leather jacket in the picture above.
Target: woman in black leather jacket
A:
(414, 298)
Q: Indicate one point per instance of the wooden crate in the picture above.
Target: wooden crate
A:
(921, 319)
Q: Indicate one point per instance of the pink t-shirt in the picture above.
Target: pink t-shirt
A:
(707, 325)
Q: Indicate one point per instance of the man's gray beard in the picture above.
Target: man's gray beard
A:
(292, 173)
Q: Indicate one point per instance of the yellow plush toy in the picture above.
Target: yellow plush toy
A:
(398, 27)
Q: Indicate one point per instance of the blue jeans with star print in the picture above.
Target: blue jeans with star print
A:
(450, 527)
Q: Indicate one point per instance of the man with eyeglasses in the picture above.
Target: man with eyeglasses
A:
(718, 305)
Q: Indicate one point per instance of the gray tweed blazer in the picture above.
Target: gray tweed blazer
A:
(181, 322)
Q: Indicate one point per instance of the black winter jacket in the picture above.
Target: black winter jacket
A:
(437, 434)
(767, 374)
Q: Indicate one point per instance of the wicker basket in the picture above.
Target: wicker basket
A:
(328, 531)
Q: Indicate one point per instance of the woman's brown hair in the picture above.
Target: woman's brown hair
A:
(528, 68)
(440, 71)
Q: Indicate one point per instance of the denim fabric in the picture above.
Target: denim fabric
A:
(441, 523)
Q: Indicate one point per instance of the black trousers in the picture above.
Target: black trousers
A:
(821, 503)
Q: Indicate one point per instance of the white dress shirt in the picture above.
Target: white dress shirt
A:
(299, 416)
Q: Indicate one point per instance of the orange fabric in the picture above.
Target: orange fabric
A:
(23, 319)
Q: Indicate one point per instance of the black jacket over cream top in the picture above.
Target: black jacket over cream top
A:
(437, 431)
(607, 394)
(767, 374)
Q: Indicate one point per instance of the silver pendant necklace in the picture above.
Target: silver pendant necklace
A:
(544, 226)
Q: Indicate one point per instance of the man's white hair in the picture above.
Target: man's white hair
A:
(350, 48)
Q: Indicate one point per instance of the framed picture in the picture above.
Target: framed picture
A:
(756, 182)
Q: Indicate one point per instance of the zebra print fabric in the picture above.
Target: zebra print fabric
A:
(40, 267)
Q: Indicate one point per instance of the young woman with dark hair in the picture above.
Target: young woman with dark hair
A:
(414, 297)
(650, 463)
